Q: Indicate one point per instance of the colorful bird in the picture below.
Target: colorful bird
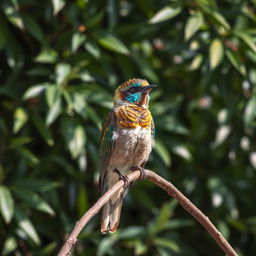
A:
(126, 141)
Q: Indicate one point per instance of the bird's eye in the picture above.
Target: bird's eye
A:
(132, 90)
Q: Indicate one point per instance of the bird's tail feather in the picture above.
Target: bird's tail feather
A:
(111, 214)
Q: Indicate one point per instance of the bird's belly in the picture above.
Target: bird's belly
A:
(132, 148)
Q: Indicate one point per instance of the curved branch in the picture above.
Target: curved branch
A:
(171, 190)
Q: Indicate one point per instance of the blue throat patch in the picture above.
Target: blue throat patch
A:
(133, 97)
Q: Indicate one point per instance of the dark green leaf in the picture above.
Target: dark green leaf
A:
(47, 56)
(93, 116)
(221, 135)
(162, 218)
(54, 111)
(162, 151)
(179, 223)
(77, 40)
(26, 225)
(220, 19)
(216, 53)
(112, 43)
(34, 91)
(33, 199)
(196, 63)
(132, 232)
(82, 200)
(105, 246)
(250, 113)
(57, 6)
(62, 72)
(236, 62)
(10, 245)
(193, 24)
(20, 118)
(167, 243)
(44, 131)
(19, 141)
(182, 151)
(27, 154)
(140, 248)
(14, 16)
(164, 14)
(6, 204)
(35, 184)
(48, 249)
(75, 137)
(247, 39)
(33, 28)
(93, 49)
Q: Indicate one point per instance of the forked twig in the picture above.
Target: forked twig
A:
(171, 190)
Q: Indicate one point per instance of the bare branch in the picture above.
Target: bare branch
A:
(171, 190)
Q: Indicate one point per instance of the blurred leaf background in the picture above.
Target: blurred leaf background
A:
(60, 62)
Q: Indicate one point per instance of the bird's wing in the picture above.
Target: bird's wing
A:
(106, 145)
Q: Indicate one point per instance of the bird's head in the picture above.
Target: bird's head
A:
(134, 91)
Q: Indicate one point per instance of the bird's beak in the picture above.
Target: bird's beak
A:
(148, 88)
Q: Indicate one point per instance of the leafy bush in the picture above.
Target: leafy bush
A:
(60, 63)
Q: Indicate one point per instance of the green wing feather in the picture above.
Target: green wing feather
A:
(106, 145)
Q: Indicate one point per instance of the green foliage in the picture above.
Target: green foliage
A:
(60, 64)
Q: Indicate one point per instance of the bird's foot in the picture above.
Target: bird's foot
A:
(124, 178)
(142, 172)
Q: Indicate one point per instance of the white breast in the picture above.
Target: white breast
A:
(132, 147)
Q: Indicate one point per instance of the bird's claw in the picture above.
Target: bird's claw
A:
(125, 179)
(142, 172)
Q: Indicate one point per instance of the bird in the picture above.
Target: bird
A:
(127, 138)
